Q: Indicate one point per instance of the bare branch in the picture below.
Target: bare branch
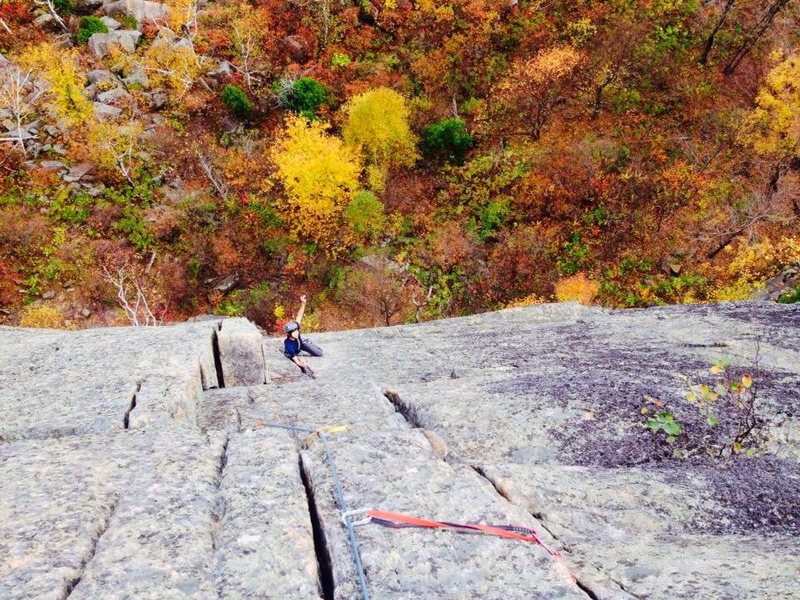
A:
(139, 314)
(418, 306)
(216, 181)
(21, 102)
(48, 4)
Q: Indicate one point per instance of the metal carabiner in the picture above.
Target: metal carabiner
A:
(351, 513)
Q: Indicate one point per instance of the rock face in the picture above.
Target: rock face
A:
(155, 462)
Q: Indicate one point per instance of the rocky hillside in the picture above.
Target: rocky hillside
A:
(654, 452)
(394, 160)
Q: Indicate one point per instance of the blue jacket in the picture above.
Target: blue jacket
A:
(291, 347)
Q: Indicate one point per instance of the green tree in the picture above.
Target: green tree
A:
(303, 96)
(365, 215)
(89, 26)
(447, 138)
(237, 101)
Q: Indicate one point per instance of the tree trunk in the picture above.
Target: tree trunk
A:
(710, 41)
(754, 36)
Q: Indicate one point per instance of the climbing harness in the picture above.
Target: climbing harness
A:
(400, 521)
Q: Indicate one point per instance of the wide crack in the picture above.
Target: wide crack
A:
(324, 562)
(407, 410)
(217, 358)
(219, 507)
(126, 419)
(102, 527)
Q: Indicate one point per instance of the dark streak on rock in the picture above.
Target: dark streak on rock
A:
(71, 584)
(586, 589)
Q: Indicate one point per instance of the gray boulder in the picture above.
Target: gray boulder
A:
(137, 78)
(100, 44)
(141, 10)
(106, 112)
(112, 24)
(87, 7)
(112, 96)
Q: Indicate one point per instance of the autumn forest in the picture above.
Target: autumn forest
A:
(393, 160)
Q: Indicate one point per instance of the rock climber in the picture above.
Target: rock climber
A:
(294, 343)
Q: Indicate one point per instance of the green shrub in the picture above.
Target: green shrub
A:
(448, 138)
(303, 96)
(64, 7)
(132, 224)
(66, 207)
(90, 26)
(340, 60)
(492, 216)
(128, 21)
(237, 101)
(790, 297)
(365, 214)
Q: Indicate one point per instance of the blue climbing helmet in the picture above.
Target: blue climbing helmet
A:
(291, 326)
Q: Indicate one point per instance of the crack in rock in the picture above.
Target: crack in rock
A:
(102, 527)
(324, 563)
(407, 410)
(217, 357)
(126, 419)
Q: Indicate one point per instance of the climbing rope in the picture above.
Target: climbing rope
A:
(346, 519)
(401, 521)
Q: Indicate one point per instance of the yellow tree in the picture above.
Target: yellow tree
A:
(377, 125)
(773, 128)
(251, 38)
(58, 68)
(535, 86)
(319, 174)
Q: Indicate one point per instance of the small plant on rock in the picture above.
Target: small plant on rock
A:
(662, 421)
(731, 397)
(665, 421)
(89, 26)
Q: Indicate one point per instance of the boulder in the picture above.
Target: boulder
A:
(106, 112)
(43, 19)
(78, 172)
(297, 48)
(241, 353)
(141, 10)
(112, 24)
(100, 44)
(158, 99)
(138, 79)
(112, 96)
(86, 7)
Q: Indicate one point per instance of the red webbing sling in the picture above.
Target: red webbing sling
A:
(513, 532)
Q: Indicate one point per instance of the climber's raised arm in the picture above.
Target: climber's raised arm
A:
(299, 316)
